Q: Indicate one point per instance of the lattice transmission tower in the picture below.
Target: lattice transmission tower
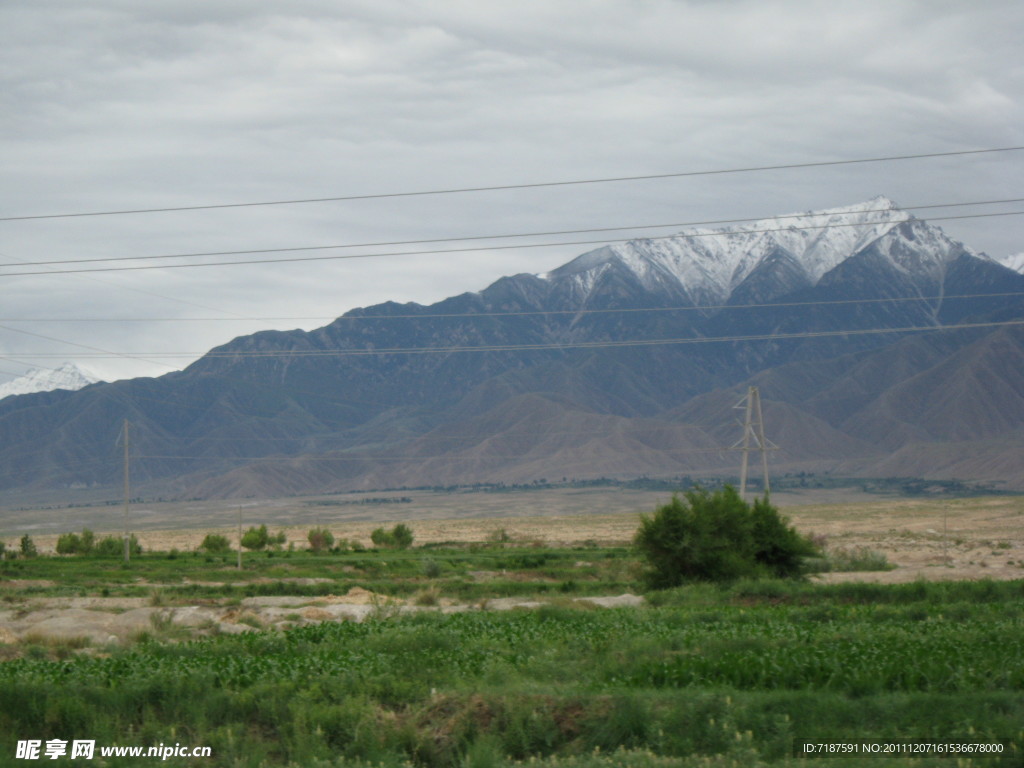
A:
(753, 438)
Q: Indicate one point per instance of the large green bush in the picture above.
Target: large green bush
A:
(719, 537)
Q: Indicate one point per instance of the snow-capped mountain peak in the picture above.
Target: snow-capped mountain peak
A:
(709, 265)
(68, 376)
(1014, 262)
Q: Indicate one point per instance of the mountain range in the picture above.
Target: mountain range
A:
(880, 347)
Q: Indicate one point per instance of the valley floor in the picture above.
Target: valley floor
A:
(426, 657)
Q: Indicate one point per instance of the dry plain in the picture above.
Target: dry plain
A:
(927, 538)
(930, 539)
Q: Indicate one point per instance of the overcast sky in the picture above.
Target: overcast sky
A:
(119, 104)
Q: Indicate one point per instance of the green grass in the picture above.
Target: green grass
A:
(708, 675)
(469, 573)
(510, 572)
(712, 676)
(853, 559)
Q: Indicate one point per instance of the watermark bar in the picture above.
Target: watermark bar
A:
(899, 748)
(51, 749)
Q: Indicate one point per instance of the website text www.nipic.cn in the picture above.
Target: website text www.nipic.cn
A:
(37, 749)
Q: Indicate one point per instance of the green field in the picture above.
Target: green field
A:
(466, 572)
(737, 675)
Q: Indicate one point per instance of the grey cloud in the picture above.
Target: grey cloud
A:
(121, 104)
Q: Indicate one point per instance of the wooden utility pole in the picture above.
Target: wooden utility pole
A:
(239, 537)
(127, 490)
(753, 438)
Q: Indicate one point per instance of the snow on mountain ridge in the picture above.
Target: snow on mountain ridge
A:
(709, 264)
(1014, 261)
(67, 376)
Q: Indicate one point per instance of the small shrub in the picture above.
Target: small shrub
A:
(499, 536)
(401, 534)
(256, 538)
(28, 547)
(427, 597)
(214, 543)
(68, 544)
(399, 537)
(320, 539)
(73, 544)
(113, 546)
(858, 559)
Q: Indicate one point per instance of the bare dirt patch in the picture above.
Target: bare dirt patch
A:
(934, 540)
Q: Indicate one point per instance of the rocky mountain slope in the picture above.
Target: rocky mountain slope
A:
(879, 344)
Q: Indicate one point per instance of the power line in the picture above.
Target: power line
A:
(22, 362)
(124, 355)
(104, 282)
(614, 344)
(442, 251)
(428, 437)
(503, 187)
(122, 287)
(369, 457)
(507, 236)
(277, 354)
(523, 313)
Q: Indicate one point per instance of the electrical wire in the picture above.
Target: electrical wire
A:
(22, 362)
(555, 346)
(122, 287)
(127, 356)
(504, 187)
(390, 243)
(123, 355)
(445, 251)
(524, 313)
(370, 457)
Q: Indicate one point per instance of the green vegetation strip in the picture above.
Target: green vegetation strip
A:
(464, 573)
(738, 674)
